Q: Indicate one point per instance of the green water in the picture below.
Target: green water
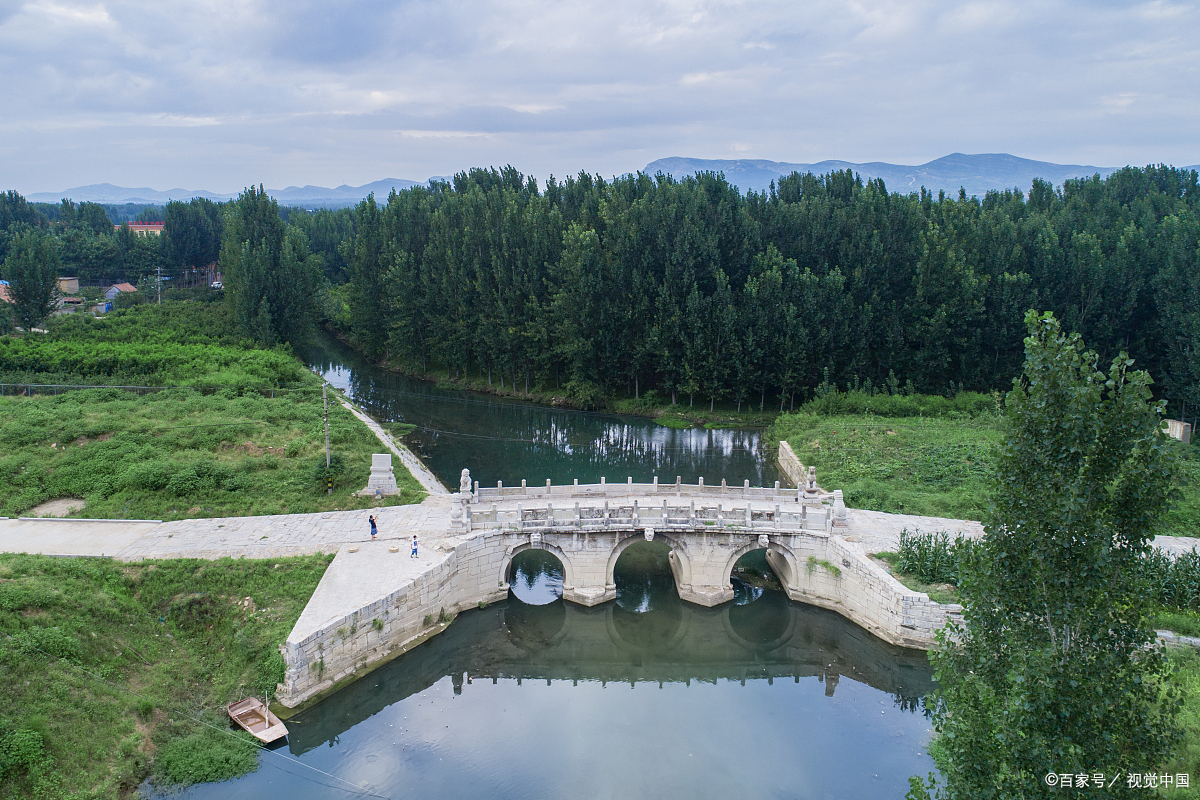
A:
(507, 440)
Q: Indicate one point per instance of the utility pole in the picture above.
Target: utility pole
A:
(325, 400)
(160, 284)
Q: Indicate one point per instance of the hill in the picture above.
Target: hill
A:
(975, 173)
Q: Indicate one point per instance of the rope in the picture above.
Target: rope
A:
(226, 731)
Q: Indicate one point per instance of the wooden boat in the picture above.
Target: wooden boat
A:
(253, 715)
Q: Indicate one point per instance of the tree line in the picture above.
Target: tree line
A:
(694, 291)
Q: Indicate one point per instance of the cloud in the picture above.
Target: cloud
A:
(228, 93)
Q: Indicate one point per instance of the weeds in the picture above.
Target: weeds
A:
(113, 662)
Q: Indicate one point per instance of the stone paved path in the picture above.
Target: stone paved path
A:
(419, 471)
(325, 532)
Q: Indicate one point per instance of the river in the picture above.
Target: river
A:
(501, 439)
(647, 696)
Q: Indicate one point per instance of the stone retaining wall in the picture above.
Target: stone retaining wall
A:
(790, 466)
(390, 625)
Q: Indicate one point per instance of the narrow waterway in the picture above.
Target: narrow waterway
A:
(646, 697)
(501, 439)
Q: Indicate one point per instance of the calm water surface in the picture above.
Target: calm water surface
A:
(507, 440)
(646, 696)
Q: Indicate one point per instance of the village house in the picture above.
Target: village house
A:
(144, 228)
(118, 288)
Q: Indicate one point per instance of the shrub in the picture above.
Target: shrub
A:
(53, 642)
(321, 473)
(21, 750)
(211, 755)
(149, 475)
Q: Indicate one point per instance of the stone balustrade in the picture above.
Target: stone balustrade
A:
(815, 515)
(777, 493)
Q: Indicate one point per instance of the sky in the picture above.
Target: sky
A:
(221, 94)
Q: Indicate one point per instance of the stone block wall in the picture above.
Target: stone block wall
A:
(394, 623)
(844, 579)
(790, 466)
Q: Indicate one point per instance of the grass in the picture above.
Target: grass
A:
(247, 439)
(938, 592)
(932, 466)
(179, 453)
(1185, 623)
(111, 669)
(1186, 663)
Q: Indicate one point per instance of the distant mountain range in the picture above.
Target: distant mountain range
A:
(975, 173)
(307, 196)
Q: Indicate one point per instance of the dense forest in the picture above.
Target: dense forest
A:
(692, 290)
(696, 291)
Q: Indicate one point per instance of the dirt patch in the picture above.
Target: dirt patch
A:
(250, 448)
(58, 508)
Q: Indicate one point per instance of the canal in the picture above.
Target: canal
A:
(501, 439)
(647, 696)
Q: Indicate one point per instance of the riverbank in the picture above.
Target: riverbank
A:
(650, 404)
(114, 672)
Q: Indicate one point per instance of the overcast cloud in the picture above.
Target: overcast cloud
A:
(218, 95)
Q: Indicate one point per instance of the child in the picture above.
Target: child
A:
(414, 547)
(373, 529)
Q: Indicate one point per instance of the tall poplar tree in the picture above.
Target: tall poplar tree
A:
(1054, 670)
(31, 268)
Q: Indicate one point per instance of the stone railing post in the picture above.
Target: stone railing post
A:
(547, 487)
(746, 487)
(678, 484)
(720, 518)
(839, 509)
(749, 516)
(656, 484)
(524, 489)
(578, 523)
(776, 516)
(606, 512)
(692, 515)
(724, 488)
(520, 517)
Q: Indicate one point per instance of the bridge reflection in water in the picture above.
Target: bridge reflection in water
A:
(647, 636)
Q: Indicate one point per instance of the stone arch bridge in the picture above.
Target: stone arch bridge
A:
(587, 527)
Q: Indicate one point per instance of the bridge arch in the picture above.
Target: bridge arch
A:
(681, 563)
(559, 553)
(780, 558)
